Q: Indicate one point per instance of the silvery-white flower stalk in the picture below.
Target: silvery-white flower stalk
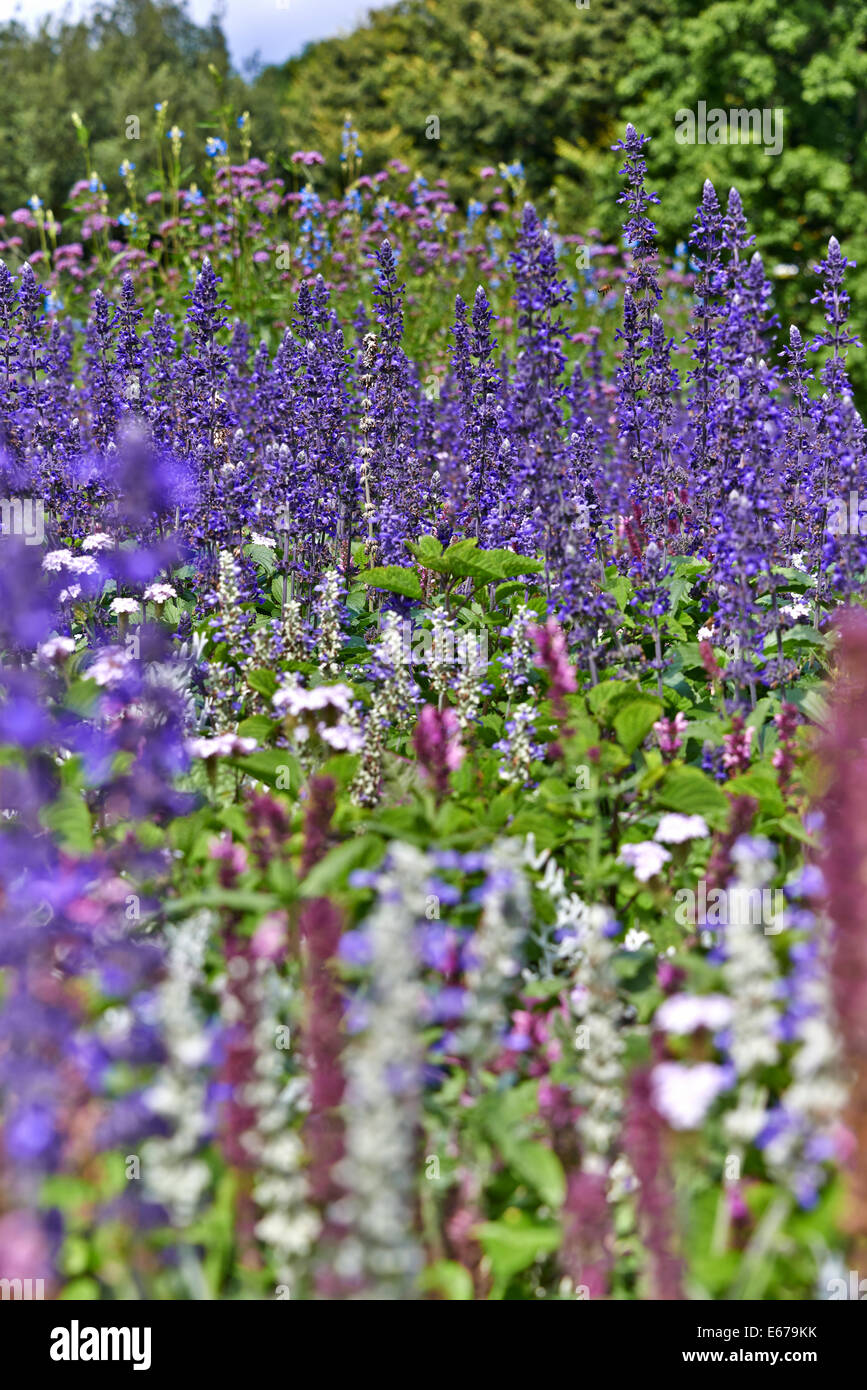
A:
(176, 675)
(812, 1104)
(496, 950)
(330, 637)
(292, 631)
(383, 1070)
(231, 622)
(752, 980)
(518, 747)
(518, 662)
(394, 701)
(397, 693)
(440, 656)
(597, 1040)
(572, 914)
(366, 427)
(366, 783)
(594, 1010)
(468, 688)
(288, 1225)
(173, 1175)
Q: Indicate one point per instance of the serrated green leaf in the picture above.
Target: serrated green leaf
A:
(634, 720)
(394, 578)
(691, 791)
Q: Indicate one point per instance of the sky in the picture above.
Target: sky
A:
(277, 28)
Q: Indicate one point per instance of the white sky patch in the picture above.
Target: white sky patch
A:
(276, 28)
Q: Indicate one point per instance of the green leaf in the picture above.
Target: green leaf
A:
(620, 587)
(490, 566)
(794, 827)
(262, 555)
(258, 726)
(464, 560)
(514, 1245)
(691, 791)
(540, 1167)
(231, 899)
(634, 720)
(276, 767)
(80, 1289)
(449, 1278)
(262, 681)
(799, 636)
(705, 730)
(761, 783)
(815, 706)
(428, 551)
(395, 579)
(69, 819)
(362, 852)
(602, 698)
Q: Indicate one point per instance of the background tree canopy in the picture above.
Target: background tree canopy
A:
(539, 81)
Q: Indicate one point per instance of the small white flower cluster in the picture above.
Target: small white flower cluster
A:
(383, 1070)
(99, 540)
(326, 712)
(221, 746)
(123, 606)
(55, 651)
(56, 560)
(686, 1013)
(684, 1094)
(172, 1173)
(676, 829)
(644, 857)
(111, 667)
(160, 593)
